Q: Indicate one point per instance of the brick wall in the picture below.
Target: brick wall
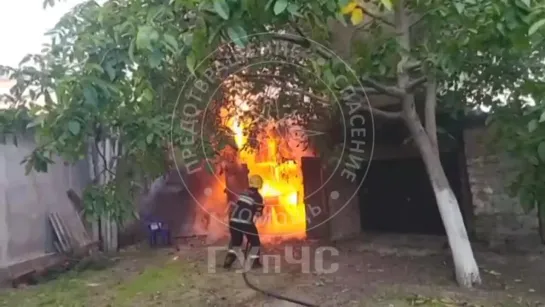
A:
(499, 218)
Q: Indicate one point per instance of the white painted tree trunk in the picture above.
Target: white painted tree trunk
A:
(466, 269)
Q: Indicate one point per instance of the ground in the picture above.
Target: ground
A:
(369, 274)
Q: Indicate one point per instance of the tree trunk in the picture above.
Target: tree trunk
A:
(541, 219)
(430, 109)
(466, 269)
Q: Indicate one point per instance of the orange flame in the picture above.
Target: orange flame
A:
(284, 215)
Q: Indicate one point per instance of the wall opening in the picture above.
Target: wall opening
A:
(397, 197)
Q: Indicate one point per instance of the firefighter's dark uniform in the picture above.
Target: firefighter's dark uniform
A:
(242, 223)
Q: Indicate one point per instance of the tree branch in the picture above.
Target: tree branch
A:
(430, 107)
(297, 29)
(352, 96)
(101, 155)
(413, 65)
(310, 95)
(363, 91)
(384, 114)
(291, 89)
(301, 41)
(416, 83)
(356, 90)
(376, 16)
(388, 90)
(421, 17)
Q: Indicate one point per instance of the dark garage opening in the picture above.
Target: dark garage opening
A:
(397, 196)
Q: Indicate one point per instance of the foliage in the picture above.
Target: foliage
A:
(518, 130)
(105, 200)
(116, 70)
(99, 78)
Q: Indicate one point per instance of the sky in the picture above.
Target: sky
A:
(23, 24)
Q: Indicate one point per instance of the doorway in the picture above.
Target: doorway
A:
(397, 196)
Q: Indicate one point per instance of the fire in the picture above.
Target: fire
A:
(284, 215)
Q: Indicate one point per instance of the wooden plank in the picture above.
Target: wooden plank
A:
(83, 234)
(59, 244)
(67, 237)
(64, 240)
(73, 241)
(64, 243)
(58, 247)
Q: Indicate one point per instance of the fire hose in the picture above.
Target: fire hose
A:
(268, 293)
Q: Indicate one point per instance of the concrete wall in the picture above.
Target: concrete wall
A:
(332, 203)
(498, 217)
(344, 208)
(26, 201)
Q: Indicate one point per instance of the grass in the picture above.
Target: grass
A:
(140, 280)
(119, 286)
(159, 278)
(403, 296)
(153, 284)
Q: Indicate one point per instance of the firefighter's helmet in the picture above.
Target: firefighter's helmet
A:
(255, 181)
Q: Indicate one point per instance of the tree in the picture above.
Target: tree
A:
(517, 124)
(438, 60)
(116, 70)
(103, 90)
(512, 87)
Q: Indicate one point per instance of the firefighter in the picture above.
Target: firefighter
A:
(243, 213)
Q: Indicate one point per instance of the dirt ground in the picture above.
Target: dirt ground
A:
(373, 273)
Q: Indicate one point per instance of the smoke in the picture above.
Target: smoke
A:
(211, 214)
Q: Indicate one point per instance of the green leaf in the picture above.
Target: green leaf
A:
(532, 125)
(74, 127)
(131, 50)
(191, 62)
(28, 167)
(91, 96)
(542, 117)
(155, 58)
(149, 138)
(145, 37)
(237, 35)
(280, 6)
(171, 41)
(343, 3)
(268, 5)
(293, 8)
(37, 121)
(459, 7)
(387, 4)
(214, 34)
(541, 151)
(340, 18)
(221, 7)
(536, 26)
(110, 70)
